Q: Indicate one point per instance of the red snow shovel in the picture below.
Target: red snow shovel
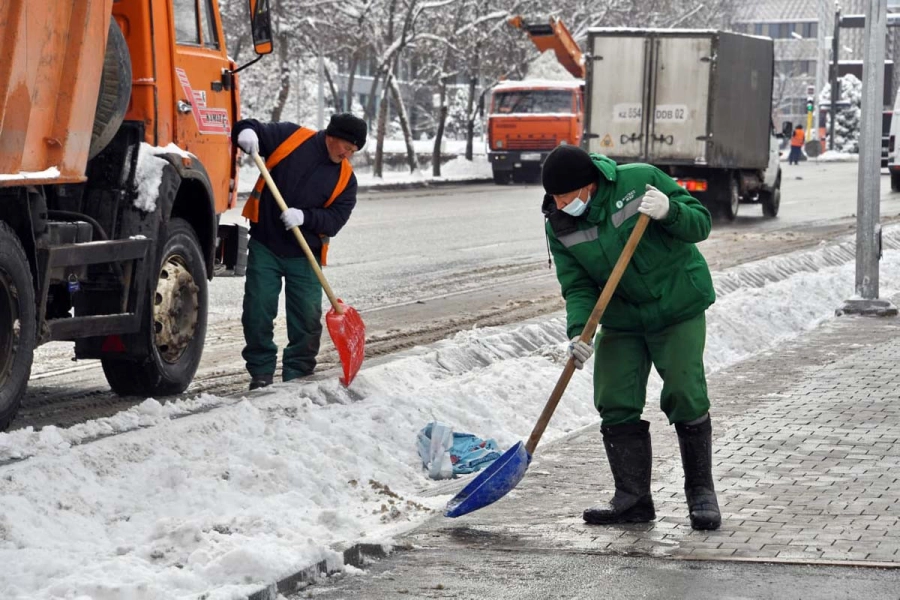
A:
(346, 327)
(505, 473)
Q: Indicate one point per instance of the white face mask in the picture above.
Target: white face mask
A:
(577, 206)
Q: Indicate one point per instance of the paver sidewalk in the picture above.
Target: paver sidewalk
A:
(807, 464)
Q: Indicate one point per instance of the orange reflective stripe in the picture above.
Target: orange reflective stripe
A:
(251, 208)
(343, 180)
(288, 146)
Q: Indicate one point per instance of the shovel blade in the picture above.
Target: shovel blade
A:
(493, 483)
(348, 332)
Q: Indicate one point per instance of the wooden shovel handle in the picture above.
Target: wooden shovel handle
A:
(300, 239)
(587, 334)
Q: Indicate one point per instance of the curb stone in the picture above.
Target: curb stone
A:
(356, 555)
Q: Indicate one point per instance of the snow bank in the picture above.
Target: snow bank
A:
(834, 156)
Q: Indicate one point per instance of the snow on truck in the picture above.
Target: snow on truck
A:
(695, 103)
(115, 164)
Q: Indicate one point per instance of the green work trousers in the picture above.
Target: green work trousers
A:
(622, 365)
(303, 307)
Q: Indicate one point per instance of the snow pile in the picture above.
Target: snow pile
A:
(835, 156)
(251, 490)
(148, 177)
(547, 66)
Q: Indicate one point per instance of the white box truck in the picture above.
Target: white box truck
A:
(695, 103)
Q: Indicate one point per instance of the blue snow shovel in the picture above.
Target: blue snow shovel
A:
(505, 473)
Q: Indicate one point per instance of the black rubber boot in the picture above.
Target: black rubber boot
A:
(696, 458)
(260, 381)
(630, 458)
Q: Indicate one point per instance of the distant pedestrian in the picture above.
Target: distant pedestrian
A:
(797, 141)
(656, 317)
(312, 171)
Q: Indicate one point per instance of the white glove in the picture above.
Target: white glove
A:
(292, 217)
(580, 351)
(654, 204)
(248, 141)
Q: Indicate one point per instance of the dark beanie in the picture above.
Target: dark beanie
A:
(566, 169)
(347, 127)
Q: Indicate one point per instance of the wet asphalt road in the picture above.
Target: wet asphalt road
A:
(555, 575)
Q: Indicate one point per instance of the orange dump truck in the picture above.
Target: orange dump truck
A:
(115, 163)
(529, 118)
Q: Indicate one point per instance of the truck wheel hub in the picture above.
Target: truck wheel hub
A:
(176, 309)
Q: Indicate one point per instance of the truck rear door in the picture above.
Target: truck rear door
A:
(617, 104)
(678, 123)
(203, 102)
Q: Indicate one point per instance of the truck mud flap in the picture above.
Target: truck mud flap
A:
(231, 251)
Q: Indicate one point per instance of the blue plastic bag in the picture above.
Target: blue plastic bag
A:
(446, 453)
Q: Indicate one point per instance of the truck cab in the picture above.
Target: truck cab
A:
(527, 119)
(115, 163)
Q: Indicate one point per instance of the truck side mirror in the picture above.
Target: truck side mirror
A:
(787, 128)
(261, 26)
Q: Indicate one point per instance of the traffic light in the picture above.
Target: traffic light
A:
(810, 104)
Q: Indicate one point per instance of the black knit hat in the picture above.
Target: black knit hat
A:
(348, 127)
(568, 168)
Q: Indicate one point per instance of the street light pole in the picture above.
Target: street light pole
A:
(868, 227)
(821, 61)
(835, 83)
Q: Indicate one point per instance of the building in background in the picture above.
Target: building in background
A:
(794, 25)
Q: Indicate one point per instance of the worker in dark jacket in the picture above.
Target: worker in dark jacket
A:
(655, 317)
(312, 171)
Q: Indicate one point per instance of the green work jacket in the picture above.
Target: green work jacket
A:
(668, 279)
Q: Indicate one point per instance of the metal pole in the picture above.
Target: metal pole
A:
(868, 229)
(835, 89)
(870, 151)
(821, 61)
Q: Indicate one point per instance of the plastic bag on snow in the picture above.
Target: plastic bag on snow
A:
(446, 453)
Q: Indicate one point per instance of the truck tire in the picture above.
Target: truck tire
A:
(502, 177)
(732, 200)
(771, 199)
(115, 90)
(177, 308)
(18, 324)
(895, 181)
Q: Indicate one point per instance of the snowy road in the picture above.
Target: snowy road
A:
(423, 264)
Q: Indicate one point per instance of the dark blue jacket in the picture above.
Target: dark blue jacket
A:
(306, 178)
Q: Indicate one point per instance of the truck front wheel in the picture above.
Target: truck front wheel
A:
(17, 324)
(177, 310)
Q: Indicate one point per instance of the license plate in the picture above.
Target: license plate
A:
(531, 156)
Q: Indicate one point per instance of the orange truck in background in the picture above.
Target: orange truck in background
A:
(527, 119)
(115, 164)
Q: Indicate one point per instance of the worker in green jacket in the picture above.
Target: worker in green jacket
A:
(656, 316)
